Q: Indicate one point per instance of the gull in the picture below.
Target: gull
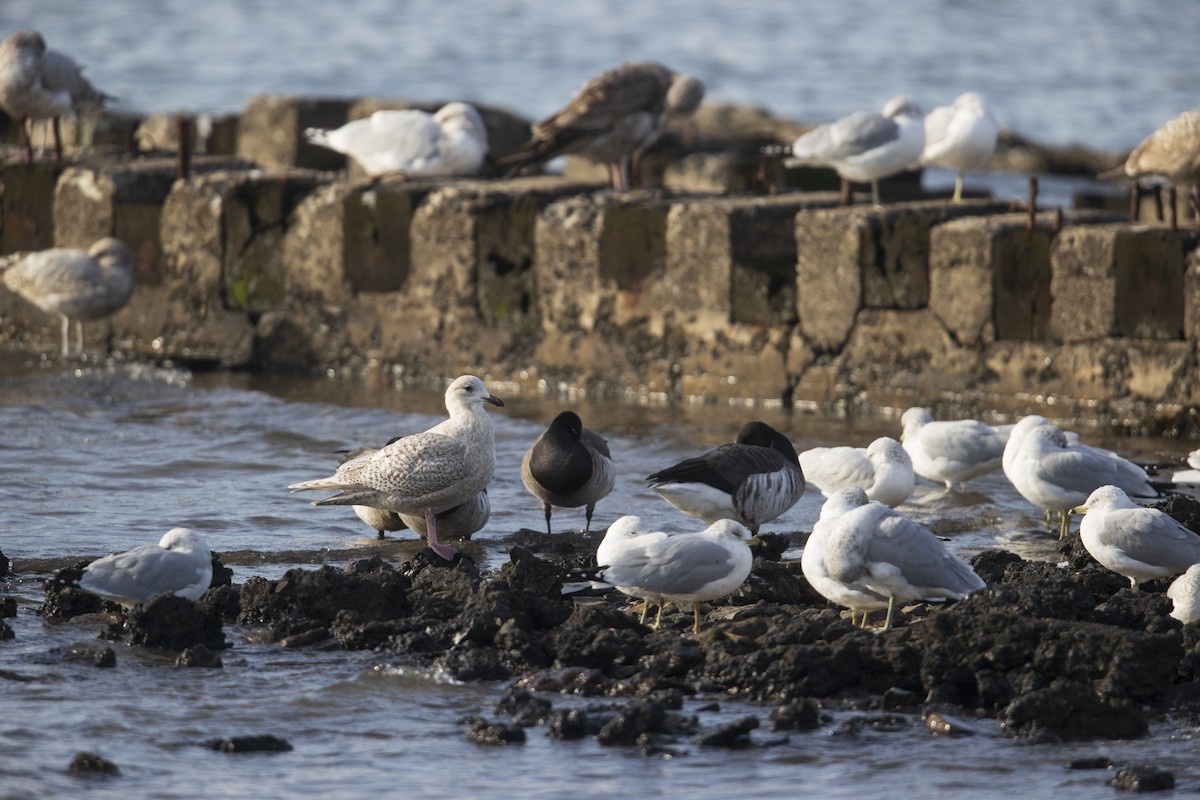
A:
(681, 567)
(754, 480)
(852, 595)
(1136, 542)
(451, 142)
(568, 466)
(37, 82)
(428, 472)
(613, 119)
(1185, 592)
(616, 539)
(1057, 475)
(866, 146)
(870, 548)
(950, 451)
(179, 564)
(77, 285)
(1171, 153)
(960, 137)
(883, 470)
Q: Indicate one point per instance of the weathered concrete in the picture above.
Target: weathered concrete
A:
(27, 205)
(271, 131)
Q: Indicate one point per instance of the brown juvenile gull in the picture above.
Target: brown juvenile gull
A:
(568, 466)
(40, 83)
(424, 473)
(181, 563)
(74, 284)
(613, 118)
(1171, 153)
(451, 142)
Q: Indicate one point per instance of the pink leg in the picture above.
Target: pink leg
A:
(444, 550)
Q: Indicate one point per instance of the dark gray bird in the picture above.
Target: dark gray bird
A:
(568, 466)
(754, 480)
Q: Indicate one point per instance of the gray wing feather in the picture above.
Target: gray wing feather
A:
(141, 573)
(674, 565)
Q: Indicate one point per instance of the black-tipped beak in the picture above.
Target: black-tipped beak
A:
(496, 401)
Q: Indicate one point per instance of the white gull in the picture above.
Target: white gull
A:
(960, 137)
(883, 470)
(1136, 542)
(180, 564)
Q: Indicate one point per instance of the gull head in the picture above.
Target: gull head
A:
(29, 42)
(902, 106)
(684, 96)
(468, 391)
(1106, 498)
(843, 500)
(730, 529)
(109, 252)
(912, 420)
(461, 116)
(184, 540)
(888, 451)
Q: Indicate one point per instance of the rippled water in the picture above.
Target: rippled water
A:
(1102, 73)
(104, 458)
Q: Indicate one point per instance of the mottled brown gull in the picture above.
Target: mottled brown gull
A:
(451, 142)
(568, 466)
(612, 119)
(37, 82)
(74, 284)
(181, 564)
(428, 472)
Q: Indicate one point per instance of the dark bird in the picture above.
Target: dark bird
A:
(754, 480)
(568, 466)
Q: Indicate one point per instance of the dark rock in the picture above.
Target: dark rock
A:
(879, 723)
(318, 595)
(94, 655)
(525, 709)
(8, 607)
(1068, 710)
(1137, 610)
(896, 698)
(1143, 778)
(92, 764)
(1091, 762)
(64, 599)
(1184, 508)
(631, 722)
(226, 599)
(798, 715)
(174, 623)
(729, 734)
(567, 724)
(492, 733)
(198, 656)
(566, 680)
(249, 744)
(770, 546)
(221, 574)
(527, 572)
(307, 638)
(601, 637)
(480, 664)
(4, 564)
(940, 724)
(6, 631)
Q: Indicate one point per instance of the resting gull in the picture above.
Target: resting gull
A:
(425, 473)
(75, 284)
(1185, 592)
(866, 146)
(1139, 543)
(951, 452)
(1056, 475)
(613, 119)
(180, 564)
(681, 567)
(616, 539)
(883, 470)
(568, 466)
(451, 142)
(852, 595)
(37, 82)
(754, 480)
(873, 548)
(1171, 153)
(960, 137)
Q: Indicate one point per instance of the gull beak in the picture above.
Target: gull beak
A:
(1079, 510)
(491, 398)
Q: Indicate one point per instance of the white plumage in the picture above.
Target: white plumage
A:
(1139, 543)
(181, 564)
(960, 137)
(951, 452)
(883, 470)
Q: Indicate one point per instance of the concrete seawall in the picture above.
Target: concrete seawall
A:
(557, 285)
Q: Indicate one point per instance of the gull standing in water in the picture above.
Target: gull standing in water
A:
(37, 82)
(1136, 542)
(754, 480)
(181, 564)
(451, 142)
(883, 470)
(866, 146)
(951, 451)
(871, 549)
(424, 473)
(74, 284)
(568, 466)
(960, 137)
(613, 119)
(682, 567)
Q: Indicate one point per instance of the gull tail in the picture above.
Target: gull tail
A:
(318, 136)
(323, 483)
(351, 497)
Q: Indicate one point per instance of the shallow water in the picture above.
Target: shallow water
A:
(107, 457)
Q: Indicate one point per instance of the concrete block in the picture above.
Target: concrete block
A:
(271, 131)
(1118, 280)
(865, 257)
(27, 204)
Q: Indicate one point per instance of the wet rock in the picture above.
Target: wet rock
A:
(64, 599)
(221, 574)
(879, 723)
(566, 680)
(631, 722)
(1068, 710)
(249, 744)
(771, 546)
(226, 599)
(8, 607)
(1137, 610)
(94, 655)
(6, 631)
(1091, 762)
(798, 715)
(174, 623)
(494, 733)
(307, 638)
(525, 709)
(92, 764)
(198, 656)
(472, 664)
(1143, 778)
(4, 564)
(526, 572)
(567, 724)
(941, 724)
(601, 637)
(1184, 508)
(734, 734)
